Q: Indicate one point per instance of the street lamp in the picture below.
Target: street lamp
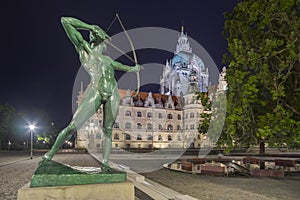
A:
(31, 128)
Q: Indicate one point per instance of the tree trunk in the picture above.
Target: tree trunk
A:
(262, 152)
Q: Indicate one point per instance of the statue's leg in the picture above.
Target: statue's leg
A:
(110, 111)
(87, 108)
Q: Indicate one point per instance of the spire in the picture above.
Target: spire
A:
(182, 29)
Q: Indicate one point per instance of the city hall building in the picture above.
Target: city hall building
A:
(166, 120)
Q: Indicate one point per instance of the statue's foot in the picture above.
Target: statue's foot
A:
(47, 157)
(105, 167)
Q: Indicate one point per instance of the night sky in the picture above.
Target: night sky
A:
(39, 63)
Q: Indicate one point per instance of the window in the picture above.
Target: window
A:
(198, 115)
(116, 125)
(199, 137)
(178, 138)
(139, 146)
(139, 114)
(169, 138)
(192, 115)
(139, 126)
(178, 127)
(128, 146)
(149, 126)
(127, 137)
(116, 136)
(127, 125)
(149, 137)
(160, 127)
(127, 113)
(116, 146)
(179, 117)
(192, 127)
(170, 116)
(170, 127)
(100, 123)
(149, 115)
(186, 116)
(98, 136)
(98, 145)
(159, 137)
(159, 115)
(186, 127)
(139, 137)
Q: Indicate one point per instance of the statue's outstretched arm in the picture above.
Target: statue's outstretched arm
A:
(71, 26)
(119, 66)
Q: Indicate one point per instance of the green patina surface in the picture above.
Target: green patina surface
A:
(56, 174)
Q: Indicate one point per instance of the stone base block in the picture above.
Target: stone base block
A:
(269, 173)
(104, 191)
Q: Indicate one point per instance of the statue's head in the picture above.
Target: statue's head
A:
(98, 37)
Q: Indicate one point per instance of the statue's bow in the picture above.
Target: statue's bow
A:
(134, 54)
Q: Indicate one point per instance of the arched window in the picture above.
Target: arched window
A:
(116, 136)
(192, 115)
(98, 136)
(160, 127)
(169, 138)
(139, 146)
(179, 117)
(149, 137)
(127, 113)
(139, 137)
(128, 125)
(149, 115)
(170, 127)
(170, 116)
(199, 136)
(139, 126)
(178, 127)
(127, 137)
(159, 115)
(116, 125)
(159, 137)
(139, 114)
(149, 126)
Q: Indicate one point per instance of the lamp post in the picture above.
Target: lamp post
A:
(31, 128)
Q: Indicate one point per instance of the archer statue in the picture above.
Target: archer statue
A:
(103, 85)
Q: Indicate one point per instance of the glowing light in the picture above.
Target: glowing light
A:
(31, 127)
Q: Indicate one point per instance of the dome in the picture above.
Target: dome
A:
(182, 59)
(197, 63)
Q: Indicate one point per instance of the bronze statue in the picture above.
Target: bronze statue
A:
(103, 87)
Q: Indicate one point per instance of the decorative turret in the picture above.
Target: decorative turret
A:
(149, 101)
(127, 99)
(169, 104)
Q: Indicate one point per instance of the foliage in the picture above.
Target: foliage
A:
(214, 114)
(263, 75)
(6, 116)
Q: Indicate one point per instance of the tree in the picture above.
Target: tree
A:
(263, 76)
(6, 116)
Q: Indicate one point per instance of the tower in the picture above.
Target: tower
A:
(183, 69)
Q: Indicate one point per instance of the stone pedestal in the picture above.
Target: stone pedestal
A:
(104, 191)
